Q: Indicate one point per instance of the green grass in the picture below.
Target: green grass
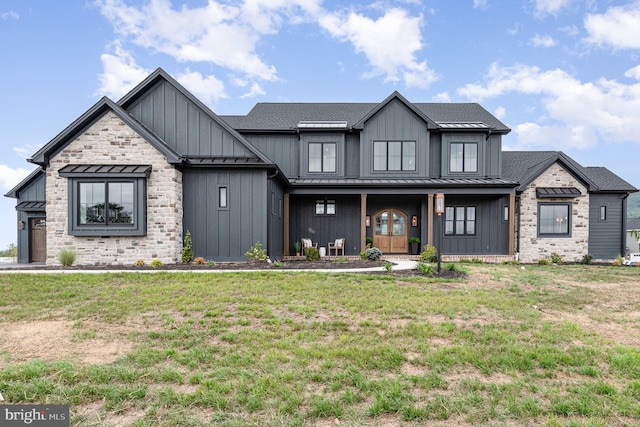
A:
(295, 349)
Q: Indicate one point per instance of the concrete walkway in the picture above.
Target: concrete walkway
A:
(399, 264)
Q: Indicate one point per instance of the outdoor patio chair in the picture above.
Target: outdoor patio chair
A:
(307, 243)
(337, 246)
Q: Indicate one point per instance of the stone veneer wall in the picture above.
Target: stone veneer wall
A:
(111, 141)
(573, 248)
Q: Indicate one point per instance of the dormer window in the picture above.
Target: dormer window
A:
(394, 155)
(322, 157)
(463, 157)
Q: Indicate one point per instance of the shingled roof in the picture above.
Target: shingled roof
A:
(525, 166)
(266, 116)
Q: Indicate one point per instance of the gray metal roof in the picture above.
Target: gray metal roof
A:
(403, 182)
(105, 170)
(557, 192)
(266, 116)
(31, 206)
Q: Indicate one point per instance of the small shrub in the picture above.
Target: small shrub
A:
(211, 263)
(451, 266)
(471, 261)
(373, 254)
(618, 260)
(368, 241)
(312, 254)
(340, 260)
(156, 263)
(425, 269)
(277, 264)
(388, 265)
(67, 257)
(187, 251)
(510, 262)
(414, 240)
(429, 254)
(139, 263)
(363, 253)
(586, 259)
(199, 261)
(257, 253)
(544, 261)
(556, 258)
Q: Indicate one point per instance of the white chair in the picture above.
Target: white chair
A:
(306, 244)
(337, 246)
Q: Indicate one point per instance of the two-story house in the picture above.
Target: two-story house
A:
(127, 179)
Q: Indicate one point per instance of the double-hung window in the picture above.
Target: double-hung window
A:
(554, 219)
(463, 157)
(325, 207)
(107, 200)
(322, 157)
(394, 155)
(460, 220)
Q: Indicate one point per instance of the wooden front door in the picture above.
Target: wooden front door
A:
(390, 231)
(37, 240)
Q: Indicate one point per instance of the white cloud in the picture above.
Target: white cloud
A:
(500, 113)
(208, 89)
(550, 7)
(480, 4)
(618, 27)
(10, 177)
(575, 113)
(633, 73)
(390, 43)
(222, 34)
(9, 15)
(543, 41)
(254, 91)
(121, 73)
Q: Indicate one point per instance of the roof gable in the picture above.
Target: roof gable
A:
(525, 166)
(391, 98)
(14, 193)
(99, 109)
(183, 122)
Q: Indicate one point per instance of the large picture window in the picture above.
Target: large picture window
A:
(554, 219)
(322, 157)
(107, 200)
(106, 203)
(464, 157)
(460, 220)
(394, 155)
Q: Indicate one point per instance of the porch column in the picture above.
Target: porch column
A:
(430, 219)
(286, 224)
(512, 225)
(363, 218)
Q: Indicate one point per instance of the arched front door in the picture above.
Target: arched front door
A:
(390, 231)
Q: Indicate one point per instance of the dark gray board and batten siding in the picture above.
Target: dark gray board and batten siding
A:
(601, 243)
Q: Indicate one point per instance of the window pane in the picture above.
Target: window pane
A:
(223, 200)
(331, 207)
(382, 224)
(319, 207)
(379, 156)
(120, 202)
(399, 225)
(471, 220)
(409, 156)
(329, 157)
(470, 157)
(554, 219)
(448, 221)
(315, 157)
(457, 151)
(395, 156)
(459, 220)
(91, 203)
(603, 213)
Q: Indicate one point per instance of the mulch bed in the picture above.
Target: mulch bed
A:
(244, 265)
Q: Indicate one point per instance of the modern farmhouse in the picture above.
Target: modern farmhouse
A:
(127, 179)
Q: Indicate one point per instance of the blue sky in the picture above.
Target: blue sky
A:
(562, 74)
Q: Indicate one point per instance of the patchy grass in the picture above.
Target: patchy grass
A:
(539, 345)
